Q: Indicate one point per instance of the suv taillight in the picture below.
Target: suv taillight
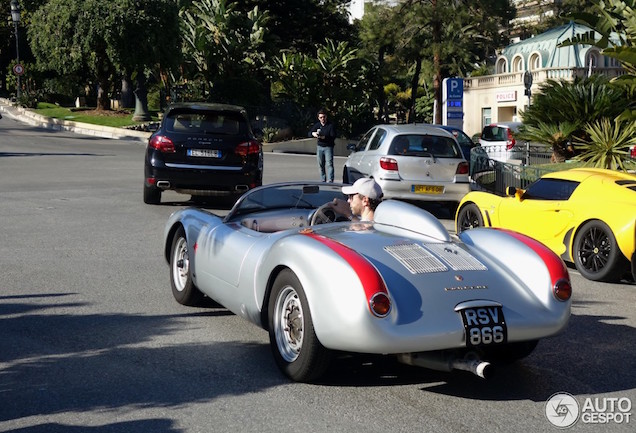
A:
(388, 164)
(462, 168)
(248, 148)
(161, 143)
(511, 140)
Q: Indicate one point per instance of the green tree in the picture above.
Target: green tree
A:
(449, 35)
(225, 47)
(557, 135)
(577, 102)
(300, 25)
(608, 144)
(72, 37)
(615, 22)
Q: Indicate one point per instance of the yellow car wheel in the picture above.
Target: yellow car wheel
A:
(596, 254)
(469, 217)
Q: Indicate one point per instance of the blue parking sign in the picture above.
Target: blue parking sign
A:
(455, 88)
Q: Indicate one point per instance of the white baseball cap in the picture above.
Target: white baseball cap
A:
(366, 187)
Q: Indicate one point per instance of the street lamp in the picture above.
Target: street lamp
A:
(15, 16)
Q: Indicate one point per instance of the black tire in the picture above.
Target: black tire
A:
(345, 175)
(469, 217)
(510, 352)
(183, 288)
(293, 341)
(596, 254)
(152, 195)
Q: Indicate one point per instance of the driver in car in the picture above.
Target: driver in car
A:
(364, 196)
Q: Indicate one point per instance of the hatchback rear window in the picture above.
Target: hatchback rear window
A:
(494, 133)
(206, 123)
(424, 145)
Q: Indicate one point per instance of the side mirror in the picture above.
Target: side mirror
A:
(351, 146)
(511, 191)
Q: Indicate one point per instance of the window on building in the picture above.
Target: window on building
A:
(517, 64)
(486, 117)
(501, 66)
(535, 62)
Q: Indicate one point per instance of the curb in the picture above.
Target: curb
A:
(34, 119)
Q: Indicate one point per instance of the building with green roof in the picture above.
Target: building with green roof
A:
(501, 97)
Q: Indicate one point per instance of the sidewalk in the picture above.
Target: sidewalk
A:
(302, 146)
(30, 118)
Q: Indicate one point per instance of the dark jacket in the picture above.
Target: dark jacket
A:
(327, 136)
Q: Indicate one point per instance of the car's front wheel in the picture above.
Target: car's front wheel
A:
(596, 254)
(469, 217)
(183, 288)
(296, 349)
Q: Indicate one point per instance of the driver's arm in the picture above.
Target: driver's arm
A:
(342, 207)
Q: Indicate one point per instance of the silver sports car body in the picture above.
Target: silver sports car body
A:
(401, 285)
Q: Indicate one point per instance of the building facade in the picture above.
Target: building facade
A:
(501, 97)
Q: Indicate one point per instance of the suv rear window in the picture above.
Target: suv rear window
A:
(494, 133)
(197, 122)
(424, 145)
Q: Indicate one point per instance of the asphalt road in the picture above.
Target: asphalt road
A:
(91, 339)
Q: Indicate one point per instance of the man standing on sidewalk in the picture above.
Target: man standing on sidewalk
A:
(325, 132)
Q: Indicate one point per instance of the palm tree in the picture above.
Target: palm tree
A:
(556, 135)
(608, 145)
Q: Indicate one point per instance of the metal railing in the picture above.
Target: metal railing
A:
(495, 176)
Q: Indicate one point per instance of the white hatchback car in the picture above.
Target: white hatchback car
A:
(412, 162)
(499, 143)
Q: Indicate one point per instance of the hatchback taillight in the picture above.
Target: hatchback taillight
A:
(248, 148)
(388, 164)
(511, 141)
(161, 143)
(462, 168)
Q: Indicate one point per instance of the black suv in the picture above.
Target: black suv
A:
(203, 150)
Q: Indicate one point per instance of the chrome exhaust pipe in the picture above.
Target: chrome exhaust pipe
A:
(438, 361)
(163, 184)
(241, 188)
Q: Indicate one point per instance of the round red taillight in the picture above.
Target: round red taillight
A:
(563, 290)
(380, 304)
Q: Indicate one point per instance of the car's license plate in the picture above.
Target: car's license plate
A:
(205, 153)
(484, 326)
(427, 189)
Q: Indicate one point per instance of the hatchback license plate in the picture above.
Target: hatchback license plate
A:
(427, 189)
(484, 326)
(205, 153)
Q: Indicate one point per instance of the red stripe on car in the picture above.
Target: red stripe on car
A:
(371, 280)
(556, 267)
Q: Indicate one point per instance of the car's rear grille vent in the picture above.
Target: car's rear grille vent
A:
(416, 259)
(457, 258)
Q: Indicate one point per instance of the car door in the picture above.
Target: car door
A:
(542, 212)
(220, 257)
(370, 160)
(354, 162)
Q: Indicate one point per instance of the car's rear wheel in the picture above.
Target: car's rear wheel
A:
(296, 349)
(152, 195)
(183, 288)
(596, 254)
(469, 217)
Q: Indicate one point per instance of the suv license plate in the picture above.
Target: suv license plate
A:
(427, 189)
(205, 153)
(484, 326)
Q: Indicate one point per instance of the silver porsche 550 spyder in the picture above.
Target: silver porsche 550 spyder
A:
(401, 285)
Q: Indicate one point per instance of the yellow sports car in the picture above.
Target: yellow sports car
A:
(585, 215)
